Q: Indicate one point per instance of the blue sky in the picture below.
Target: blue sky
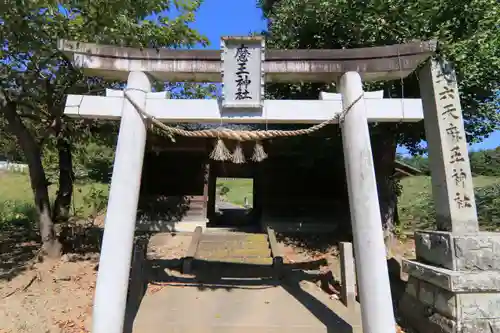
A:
(217, 18)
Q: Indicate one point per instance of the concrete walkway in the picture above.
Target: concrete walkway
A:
(229, 214)
(224, 205)
(228, 296)
(235, 308)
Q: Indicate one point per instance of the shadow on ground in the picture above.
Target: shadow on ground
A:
(229, 276)
(20, 245)
(80, 240)
(228, 217)
(398, 287)
(314, 242)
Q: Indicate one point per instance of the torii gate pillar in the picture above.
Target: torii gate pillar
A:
(114, 264)
(374, 287)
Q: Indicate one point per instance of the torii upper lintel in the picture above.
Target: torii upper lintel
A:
(373, 63)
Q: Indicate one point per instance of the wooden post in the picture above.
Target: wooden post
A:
(191, 253)
(275, 252)
(212, 189)
(348, 275)
(206, 179)
(259, 195)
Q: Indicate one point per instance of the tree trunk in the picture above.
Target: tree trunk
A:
(384, 143)
(31, 150)
(62, 204)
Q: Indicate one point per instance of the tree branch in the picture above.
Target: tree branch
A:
(30, 116)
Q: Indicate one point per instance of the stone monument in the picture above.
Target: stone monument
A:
(454, 284)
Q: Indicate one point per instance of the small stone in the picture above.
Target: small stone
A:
(63, 278)
(63, 273)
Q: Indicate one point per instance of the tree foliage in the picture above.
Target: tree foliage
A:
(467, 32)
(35, 76)
(486, 162)
(468, 35)
(482, 163)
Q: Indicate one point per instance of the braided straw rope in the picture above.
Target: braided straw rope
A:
(238, 135)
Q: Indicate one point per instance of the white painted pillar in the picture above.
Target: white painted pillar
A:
(114, 264)
(370, 255)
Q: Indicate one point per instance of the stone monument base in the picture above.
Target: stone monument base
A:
(454, 286)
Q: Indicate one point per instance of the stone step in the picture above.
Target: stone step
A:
(213, 246)
(235, 241)
(233, 245)
(194, 213)
(236, 248)
(236, 259)
(237, 252)
(233, 272)
(222, 238)
(196, 205)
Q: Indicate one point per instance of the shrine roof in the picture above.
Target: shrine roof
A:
(402, 169)
(308, 65)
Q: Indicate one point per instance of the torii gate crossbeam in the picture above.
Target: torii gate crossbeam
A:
(273, 112)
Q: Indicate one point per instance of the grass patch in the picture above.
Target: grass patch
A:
(415, 203)
(16, 198)
(235, 190)
(416, 209)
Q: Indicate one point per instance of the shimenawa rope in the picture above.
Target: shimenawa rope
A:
(239, 135)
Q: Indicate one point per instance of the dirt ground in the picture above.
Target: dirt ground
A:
(49, 297)
(56, 296)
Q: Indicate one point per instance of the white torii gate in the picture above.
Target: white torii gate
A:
(285, 66)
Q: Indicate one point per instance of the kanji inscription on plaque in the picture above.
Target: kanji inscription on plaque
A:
(242, 72)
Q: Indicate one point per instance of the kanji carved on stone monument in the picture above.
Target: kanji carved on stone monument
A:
(452, 188)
